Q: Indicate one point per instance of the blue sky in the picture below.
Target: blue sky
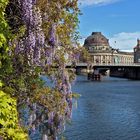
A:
(118, 20)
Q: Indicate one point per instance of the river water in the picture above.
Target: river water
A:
(106, 110)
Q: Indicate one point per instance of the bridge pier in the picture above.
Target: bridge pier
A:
(133, 73)
(129, 73)
(94, 75)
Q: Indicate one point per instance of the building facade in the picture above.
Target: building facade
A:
(137, 52)
(102, 53)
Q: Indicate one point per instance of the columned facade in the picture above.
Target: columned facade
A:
(101, 52)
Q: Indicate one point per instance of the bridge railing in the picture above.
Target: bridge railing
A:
(97, 64)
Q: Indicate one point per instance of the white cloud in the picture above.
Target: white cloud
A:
(124, 41)
(96, 2)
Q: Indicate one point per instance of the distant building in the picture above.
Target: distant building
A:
(137, 52)
(101, 52)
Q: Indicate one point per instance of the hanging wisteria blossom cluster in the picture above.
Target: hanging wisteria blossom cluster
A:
(34, 37)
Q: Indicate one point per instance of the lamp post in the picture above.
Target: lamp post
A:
(112, 51)
(113, 58)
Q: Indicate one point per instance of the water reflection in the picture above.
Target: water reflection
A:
(107, 110)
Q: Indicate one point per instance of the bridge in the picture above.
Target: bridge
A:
(130, 71)
(86, 65)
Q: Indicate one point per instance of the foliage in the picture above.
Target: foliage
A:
(4, 34)
(9, 127)
(84, 55)
(40, 35)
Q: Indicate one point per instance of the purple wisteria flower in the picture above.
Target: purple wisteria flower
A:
(52, 39)
(35, 36)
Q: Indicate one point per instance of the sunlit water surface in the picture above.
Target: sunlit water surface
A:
(107, 110)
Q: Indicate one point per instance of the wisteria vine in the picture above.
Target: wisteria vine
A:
(40, 48)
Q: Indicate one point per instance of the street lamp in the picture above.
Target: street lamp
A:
(112, 51)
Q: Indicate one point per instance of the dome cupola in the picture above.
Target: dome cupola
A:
(96, 39)
(97, 42)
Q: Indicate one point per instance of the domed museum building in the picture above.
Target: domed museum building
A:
(102, 53)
